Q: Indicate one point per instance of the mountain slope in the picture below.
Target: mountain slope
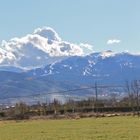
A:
(104, 67)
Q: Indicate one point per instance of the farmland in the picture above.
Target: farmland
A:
(107, 128)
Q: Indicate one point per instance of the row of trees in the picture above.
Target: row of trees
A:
(129, 103)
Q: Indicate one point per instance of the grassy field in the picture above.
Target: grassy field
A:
(111, 128)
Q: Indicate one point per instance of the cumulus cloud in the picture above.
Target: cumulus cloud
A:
(48, 33)
(87, 48)
(113, 41)
(40, 48)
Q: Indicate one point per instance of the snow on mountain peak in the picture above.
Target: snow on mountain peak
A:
(40, 48)
(106, 54)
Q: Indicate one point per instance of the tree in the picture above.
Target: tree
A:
(21, 110)
(56, 106)
(128, 89)
(135, 90)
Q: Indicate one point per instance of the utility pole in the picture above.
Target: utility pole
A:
(96, 98)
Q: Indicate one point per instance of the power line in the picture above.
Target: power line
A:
(64, 91)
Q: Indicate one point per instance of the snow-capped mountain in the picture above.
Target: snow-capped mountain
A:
(42, 47)
(42, 62)
(104, 67)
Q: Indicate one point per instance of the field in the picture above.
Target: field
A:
(109, 128)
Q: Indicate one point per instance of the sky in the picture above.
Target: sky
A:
(105, 24)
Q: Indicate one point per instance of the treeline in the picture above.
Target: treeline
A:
(96, 106)
(55, 109)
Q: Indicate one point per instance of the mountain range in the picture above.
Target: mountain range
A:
(40, 64)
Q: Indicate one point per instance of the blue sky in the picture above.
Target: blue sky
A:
(87, 21)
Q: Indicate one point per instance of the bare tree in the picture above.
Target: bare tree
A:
(56, 106)
(113, 99)
(128, 89)
(136, 89)
(20, 110)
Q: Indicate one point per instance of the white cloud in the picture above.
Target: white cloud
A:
(48, 33)
(113, 41)
(87, 48)
(40, 48)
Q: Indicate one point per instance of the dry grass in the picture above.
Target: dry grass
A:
(107, 128)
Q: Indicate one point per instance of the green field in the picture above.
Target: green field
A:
(111, 128)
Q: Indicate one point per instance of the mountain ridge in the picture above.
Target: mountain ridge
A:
(42, 62)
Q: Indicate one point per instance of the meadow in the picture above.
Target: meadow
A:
(107, 128)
